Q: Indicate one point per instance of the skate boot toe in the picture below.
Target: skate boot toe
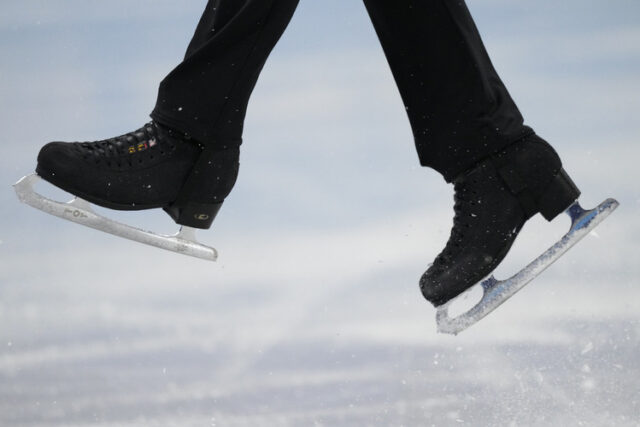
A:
(58, 163)
(433, 286)
(442, 282)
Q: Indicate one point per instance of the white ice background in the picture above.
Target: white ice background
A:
(313, 316)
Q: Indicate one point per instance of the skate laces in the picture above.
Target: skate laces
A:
(464, 200)
(127, 144)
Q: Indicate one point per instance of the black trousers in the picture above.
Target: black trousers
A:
(459, 109)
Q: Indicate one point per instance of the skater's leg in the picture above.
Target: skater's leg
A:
(467, 127)
(459, 109)
(206, 95)
(185, 161)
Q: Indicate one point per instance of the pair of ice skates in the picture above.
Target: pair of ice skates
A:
(156, 167)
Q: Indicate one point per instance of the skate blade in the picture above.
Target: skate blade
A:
(79, 211)
(495, 292)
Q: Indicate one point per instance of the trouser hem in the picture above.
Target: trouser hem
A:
(211, 139)
(450, 167)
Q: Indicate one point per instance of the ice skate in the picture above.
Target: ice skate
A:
(492, 203)
(153, 167)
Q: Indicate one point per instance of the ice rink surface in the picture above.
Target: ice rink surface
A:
(312, 315)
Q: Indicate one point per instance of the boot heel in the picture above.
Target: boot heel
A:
(558, 196)
(196, 215)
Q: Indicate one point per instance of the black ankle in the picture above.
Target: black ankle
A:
(532, 171)
(207, 185)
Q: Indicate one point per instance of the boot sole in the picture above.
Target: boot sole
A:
(191, 214)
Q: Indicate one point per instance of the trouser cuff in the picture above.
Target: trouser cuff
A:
(210, 138)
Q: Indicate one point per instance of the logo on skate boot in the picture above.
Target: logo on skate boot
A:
(142, 146)
(201, 217)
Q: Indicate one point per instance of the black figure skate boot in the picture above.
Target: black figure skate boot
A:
(152, 167)
(492, 202)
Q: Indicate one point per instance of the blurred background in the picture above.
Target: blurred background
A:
(312, 315)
